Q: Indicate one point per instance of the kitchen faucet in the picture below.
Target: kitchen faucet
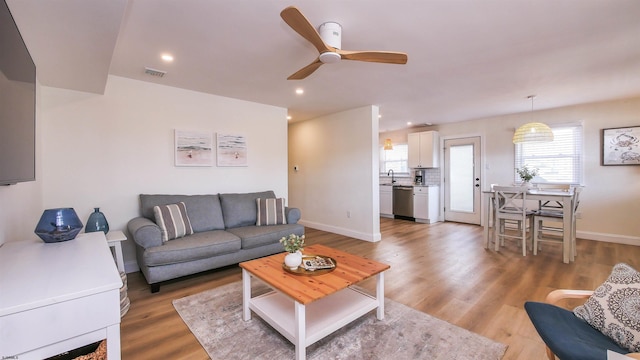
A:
(393, 180)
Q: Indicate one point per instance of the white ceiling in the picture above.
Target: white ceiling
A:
(468, 59)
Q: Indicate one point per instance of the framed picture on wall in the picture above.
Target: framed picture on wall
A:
(193, 148)
(621, 146)
(232, 150)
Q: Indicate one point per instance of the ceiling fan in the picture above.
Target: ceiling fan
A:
(328, 42)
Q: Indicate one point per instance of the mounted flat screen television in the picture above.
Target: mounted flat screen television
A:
(17, 104)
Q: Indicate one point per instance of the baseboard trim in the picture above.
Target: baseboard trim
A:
(342, 231)
(612, 238)
(131, 267)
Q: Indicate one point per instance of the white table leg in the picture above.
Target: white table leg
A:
(567, 227)
(246, 295)
(300, 332)
(119, 257)
(485, 232)
(113, 342)
(380, 295)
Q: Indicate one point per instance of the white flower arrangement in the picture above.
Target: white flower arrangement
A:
(526, 173)
(292, 243)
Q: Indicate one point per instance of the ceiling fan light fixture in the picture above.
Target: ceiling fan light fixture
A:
(329, 57)
(327, 39)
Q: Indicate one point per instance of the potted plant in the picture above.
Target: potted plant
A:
(293, 245)
(526, 174)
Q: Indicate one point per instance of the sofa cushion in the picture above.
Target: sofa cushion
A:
(254, 236)
(204, 211)
(193, 247)
(614, 307)
(173, 221)
(240, 209)
(270, 212)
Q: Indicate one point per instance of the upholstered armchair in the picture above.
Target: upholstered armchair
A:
(574, 335)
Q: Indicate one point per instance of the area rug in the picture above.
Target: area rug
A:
(215, 318)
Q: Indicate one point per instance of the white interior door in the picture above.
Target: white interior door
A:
(462, 174)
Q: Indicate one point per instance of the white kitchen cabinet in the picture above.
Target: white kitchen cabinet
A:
(423, 149)
(386, 201)
(425, 204)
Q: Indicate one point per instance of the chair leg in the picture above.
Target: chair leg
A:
(523, 234)
(536, 228)
(497, 237)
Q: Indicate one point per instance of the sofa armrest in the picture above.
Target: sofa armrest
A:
(292, 214)
(145, 232)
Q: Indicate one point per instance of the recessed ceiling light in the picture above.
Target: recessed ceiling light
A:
(408, 123)
(299, 91)
(288, 117)
(167, 57)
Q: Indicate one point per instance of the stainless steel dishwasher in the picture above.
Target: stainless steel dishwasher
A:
(403, 201)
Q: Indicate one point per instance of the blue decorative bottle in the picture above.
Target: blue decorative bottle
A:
(97, 222)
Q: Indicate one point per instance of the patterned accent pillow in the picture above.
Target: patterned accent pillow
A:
(173, 221)
(614, 307)
(270, 212)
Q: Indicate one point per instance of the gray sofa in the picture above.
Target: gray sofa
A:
(224, 233)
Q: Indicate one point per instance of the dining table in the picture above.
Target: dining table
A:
(563, 197)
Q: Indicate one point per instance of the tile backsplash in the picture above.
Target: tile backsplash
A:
(431, 177)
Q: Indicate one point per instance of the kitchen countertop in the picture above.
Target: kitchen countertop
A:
(414, 185)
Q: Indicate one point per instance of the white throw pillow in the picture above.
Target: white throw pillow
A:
(614, 307)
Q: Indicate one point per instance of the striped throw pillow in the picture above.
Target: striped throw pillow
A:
(173, 221)
(270, 212)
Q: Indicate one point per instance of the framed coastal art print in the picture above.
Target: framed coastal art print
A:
(193, 148)
(621, 146)
(232, 150)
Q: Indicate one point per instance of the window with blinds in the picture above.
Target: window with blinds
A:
(558, 162)
(396, 159)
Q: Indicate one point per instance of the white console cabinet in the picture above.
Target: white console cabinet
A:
(58, 297)
(423, 149)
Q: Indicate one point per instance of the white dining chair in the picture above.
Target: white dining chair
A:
(550, 205)
(510, 203)
(548, 226)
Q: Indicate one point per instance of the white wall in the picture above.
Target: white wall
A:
(20, 211)
(105, 150)
(610, 203)
(336, 186)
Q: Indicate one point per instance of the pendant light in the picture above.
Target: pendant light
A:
(533, 132)
(388, 145)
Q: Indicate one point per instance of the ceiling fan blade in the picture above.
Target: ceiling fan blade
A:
(306, 71)
(298, 22)
(389, 57)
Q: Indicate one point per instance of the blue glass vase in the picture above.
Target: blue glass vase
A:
(97, 222)
(58, 225)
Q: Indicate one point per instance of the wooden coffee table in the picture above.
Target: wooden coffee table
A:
(305, 309)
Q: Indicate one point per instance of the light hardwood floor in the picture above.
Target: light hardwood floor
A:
(440, 269)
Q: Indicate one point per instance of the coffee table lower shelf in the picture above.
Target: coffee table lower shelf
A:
(322, 317)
